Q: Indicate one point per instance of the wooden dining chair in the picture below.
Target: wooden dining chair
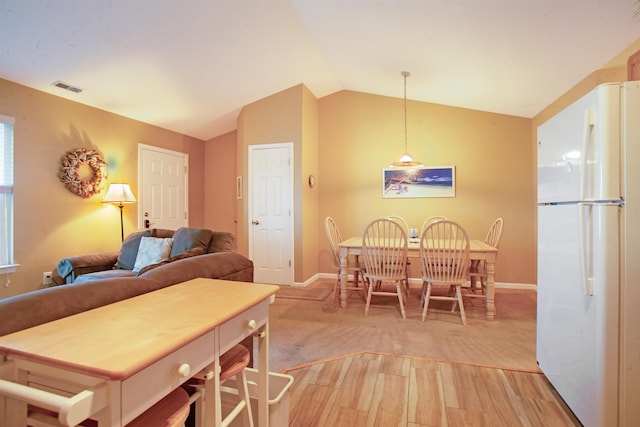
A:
(400, 220)
(477, 269)
(444, 260)
(384, 250)
(428, 221)
(353, 263)
(405, 226)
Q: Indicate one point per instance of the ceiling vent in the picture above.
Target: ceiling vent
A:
(66, 86)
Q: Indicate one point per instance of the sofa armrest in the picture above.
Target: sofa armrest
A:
(70, 268)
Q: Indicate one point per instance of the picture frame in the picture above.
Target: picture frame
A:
(426, 181)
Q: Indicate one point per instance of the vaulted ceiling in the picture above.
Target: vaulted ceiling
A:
(191, 65)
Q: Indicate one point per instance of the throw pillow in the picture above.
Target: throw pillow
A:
(221, 241)
(152, 250)
(186, 238)
(129, 250)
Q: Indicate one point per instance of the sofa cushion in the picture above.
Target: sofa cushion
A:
(186, 238)
(152, 250)
(106, 274)
(129, 250)
(185, 254)
(221, 241)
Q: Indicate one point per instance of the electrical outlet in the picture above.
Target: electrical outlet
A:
(47, 278)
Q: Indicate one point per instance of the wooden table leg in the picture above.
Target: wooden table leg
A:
(211, 405)
(491, 305)
(343, 277)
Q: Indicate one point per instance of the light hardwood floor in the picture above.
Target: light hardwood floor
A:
(371, 389)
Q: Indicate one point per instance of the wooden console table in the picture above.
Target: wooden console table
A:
(112, 363)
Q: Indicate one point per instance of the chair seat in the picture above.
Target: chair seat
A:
(171, 411)
(234, 361)
(232, 364)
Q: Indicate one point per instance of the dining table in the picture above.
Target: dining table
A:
(478, 250)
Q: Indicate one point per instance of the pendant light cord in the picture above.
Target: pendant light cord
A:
(405, 74)
(406, 160)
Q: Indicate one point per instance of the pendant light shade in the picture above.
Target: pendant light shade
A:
(406, 160)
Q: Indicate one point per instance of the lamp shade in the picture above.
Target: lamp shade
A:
(119, 194)
(406, 161)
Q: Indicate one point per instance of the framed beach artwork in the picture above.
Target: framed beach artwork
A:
(427, 181)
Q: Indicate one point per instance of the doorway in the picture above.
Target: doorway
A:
(270, 209)
(162, 184)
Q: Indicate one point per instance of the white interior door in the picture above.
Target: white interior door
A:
(162, 184)
(270, 186)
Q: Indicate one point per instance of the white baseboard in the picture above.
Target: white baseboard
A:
(416, 281)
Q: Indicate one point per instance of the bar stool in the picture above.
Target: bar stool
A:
(171, 411)
(232, 364)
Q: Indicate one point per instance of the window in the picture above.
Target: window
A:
(6, 195)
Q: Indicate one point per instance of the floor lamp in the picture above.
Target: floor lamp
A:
(119, 194)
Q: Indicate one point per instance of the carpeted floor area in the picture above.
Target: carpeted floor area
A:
(304, 331)
(316, 293)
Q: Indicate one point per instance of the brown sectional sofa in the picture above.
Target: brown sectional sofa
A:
(93, 290)
(187, 242)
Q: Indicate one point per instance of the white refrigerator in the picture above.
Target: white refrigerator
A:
(588, 318)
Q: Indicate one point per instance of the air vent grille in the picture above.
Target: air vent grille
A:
(63, 85)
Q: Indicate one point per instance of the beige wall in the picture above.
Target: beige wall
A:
(312, 239)
(359, 134)
(50, 221)
(220, 183)
(275, 119)
(289, 116)
(344, 139)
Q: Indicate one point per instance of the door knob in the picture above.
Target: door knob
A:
(255, 222)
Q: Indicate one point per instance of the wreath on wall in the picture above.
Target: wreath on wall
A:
(78, 180)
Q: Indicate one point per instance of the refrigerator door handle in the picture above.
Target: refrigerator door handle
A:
(586, 247)
(587, 152)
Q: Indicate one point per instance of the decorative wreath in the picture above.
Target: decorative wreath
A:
(70, 172)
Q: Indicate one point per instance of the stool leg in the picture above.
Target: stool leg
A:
(243, 393)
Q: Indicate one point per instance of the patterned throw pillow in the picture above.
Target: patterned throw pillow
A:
(152, 250)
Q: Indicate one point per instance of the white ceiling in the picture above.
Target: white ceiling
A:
(191, 65)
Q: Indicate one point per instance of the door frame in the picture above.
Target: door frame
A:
(142, 148)
(250, 151)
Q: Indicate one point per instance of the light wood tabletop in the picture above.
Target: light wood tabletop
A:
(137, 345)
(152, 325)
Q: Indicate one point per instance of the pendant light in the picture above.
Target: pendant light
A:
(406, 160)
